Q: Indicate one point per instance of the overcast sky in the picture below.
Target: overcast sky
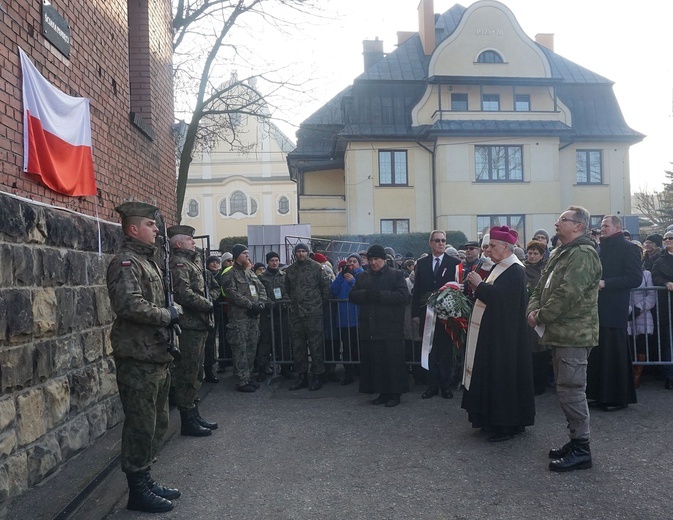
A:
(628, 43)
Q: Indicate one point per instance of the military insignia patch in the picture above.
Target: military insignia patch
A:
(179, 265)
(126, 263)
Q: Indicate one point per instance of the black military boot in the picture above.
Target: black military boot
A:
(579, 457)
(141, 498)
(203, 422)
(302, 382)
(209, 377)
(159, 490)
(316, 383)
(559, 453)
(190, 426)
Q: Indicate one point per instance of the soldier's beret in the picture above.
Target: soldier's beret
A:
(180, 230)
(136, 209)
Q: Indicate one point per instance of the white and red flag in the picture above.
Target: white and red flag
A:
(56, 135)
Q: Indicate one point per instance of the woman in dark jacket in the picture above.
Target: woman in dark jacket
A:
(662, 274)
(535, 262)
(382, 294)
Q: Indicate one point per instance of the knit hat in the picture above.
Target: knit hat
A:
(541, 232)
(451, 251)
(376, 251)
(504, 233)
(357, 257)
(485, 239)
(257, 266)
(237, 250)
(408, 254)
(320, 258)
(656, 238)
(301, 246)
(270, 255)
(227, 256)
(389, 251)
(212, 258)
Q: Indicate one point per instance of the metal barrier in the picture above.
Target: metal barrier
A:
(655, 348)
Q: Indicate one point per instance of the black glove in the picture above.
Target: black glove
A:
(255, 310)
(175, 315)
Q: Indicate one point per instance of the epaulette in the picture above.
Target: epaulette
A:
(126, 263)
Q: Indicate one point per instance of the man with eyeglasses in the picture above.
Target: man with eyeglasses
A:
(564, 310)
(432, 272)
(609, 372)
(542, 236)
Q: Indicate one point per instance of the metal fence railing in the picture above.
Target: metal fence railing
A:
(650, 329)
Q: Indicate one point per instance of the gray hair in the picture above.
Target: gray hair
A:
(582, 216)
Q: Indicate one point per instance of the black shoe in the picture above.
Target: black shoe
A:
(579, 457)
(189, 425)
(593, 404)
(221, 369)
(142, 499)
(382, 399)
(432, 391)
(502, 434)
(302, 382)
(316, 383)
(347, 380)
(210, 378)
(447, 394)
(392, 402)
(253, 384)
(246, 388)
(261, 377)
(613, 407)
(159, 490)
(559, 453)
(203, 422)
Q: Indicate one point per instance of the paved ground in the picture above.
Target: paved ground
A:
(331, 455)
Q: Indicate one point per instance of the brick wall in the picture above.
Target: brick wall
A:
(128, 165)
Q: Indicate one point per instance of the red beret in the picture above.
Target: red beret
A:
(504, 233)
(320, 258)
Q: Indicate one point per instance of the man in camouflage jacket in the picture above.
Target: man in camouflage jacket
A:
(189, 292)
(307, 287)
(140, 340)
(246, 297)
(565, 303)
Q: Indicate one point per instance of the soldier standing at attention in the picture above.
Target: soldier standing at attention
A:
(247, 297)
(307, 286)
(188, 291)
(140, 340)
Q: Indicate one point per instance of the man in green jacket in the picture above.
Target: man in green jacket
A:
(564, 310)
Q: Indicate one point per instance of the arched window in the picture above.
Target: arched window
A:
(223, 207)
(192, 208)
(489, 57)
(253, 206)
(283, 205)
(238, 203)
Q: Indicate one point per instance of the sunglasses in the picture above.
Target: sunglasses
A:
(439, 240)
(668, 238)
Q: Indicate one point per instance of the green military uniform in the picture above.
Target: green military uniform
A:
(243, 290)
(188, 291)
(274, 284)
(307, 287)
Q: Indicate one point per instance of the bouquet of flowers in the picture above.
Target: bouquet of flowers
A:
(453, 309)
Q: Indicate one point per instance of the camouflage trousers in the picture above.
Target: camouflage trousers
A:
(307, 334)
(143, 390)
(243, 336)
(188, 372)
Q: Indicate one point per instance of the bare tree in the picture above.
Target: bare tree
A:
(210, 45)
(656, 207)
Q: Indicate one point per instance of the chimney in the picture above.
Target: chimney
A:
(426, 25)
(372, 50)
(546, 40)
(403, 36)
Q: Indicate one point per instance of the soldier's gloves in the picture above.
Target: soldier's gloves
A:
(175, 314)
(255, 310)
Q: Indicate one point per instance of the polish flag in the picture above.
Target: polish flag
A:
(56, 135)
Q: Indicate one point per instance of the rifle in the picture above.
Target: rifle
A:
(174, 329)
(210, 317)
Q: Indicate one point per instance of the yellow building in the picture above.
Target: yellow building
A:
(469, 123)
(233, 186)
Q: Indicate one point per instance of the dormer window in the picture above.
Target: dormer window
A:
(490, 57)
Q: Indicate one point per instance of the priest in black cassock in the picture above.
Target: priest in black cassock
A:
(498, 374)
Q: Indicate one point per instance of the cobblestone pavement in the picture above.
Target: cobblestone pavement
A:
(332, 455)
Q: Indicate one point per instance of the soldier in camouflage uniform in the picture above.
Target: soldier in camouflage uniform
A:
(273, 280)
(246, 297)
(189, 292)
(140, 339)
(307, 287)
(565, 302)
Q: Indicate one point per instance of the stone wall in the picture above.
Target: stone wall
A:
(57, 376)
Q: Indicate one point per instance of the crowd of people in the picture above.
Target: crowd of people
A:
(560, 311)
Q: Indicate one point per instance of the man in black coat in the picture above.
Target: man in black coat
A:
(432, 272)
(609, 373)
(382, 294)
